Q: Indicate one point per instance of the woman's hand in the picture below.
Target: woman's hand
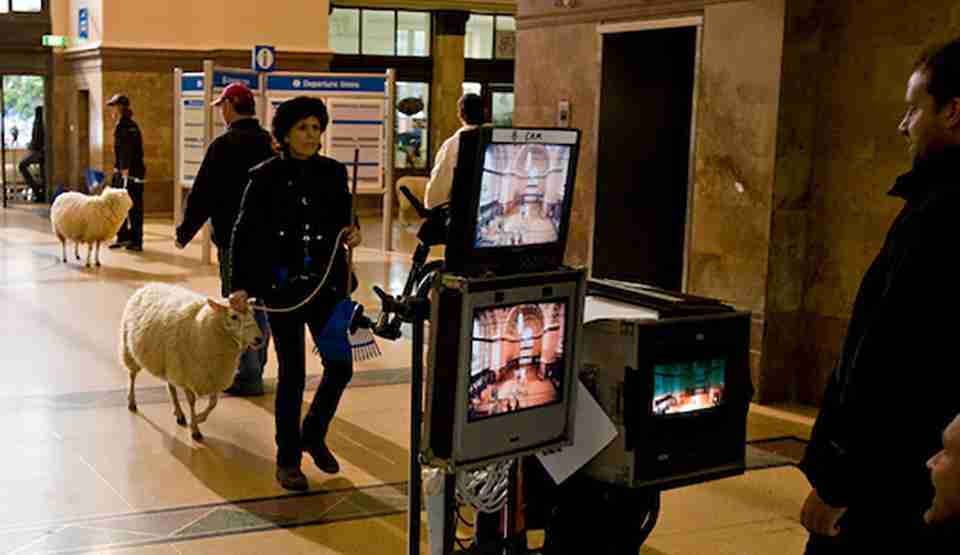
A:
(353, 238)
(238, 301)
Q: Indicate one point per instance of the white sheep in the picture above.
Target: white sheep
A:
(186, 340)
(88, 219)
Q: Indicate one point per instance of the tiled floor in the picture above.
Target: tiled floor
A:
(79, 473)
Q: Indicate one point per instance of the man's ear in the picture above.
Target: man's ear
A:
(214, 304)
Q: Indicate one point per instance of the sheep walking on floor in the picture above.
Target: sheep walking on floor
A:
(88, 219)
(188, 341)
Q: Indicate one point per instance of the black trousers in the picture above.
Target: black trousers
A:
(132, 228)
(34, 157)
(289, 341)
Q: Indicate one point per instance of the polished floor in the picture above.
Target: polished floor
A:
(81, 474)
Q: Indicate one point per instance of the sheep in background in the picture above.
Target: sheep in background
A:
(188, 341)
(88, 219)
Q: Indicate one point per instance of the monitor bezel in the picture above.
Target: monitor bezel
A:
(544, 427)
(462, 255)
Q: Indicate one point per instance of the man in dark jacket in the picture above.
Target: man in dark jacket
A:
(129, 171)
(896, 386)
(216, 195)
(35, 156)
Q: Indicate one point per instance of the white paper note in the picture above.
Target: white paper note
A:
(593, 431)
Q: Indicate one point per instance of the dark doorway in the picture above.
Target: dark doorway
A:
(643, 165)
(82, 144)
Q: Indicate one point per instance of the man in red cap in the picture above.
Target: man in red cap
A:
(216, 195)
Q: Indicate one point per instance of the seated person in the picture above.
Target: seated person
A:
(470, 111)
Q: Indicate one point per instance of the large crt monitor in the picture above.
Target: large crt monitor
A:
(511, 199)
(503, 353)
(677, 388)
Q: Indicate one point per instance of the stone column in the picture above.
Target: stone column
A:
(448, 70)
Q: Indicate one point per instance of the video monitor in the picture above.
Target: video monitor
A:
(501, 373)
(511, 199)
(689, 386)
(516, 362)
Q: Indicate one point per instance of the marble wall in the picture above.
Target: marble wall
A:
(735, 146)
(858, 61)
(796, 146)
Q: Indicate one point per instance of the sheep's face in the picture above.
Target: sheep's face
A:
(240, 326)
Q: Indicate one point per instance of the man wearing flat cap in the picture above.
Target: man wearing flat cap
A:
(129, 171)
(216, 194)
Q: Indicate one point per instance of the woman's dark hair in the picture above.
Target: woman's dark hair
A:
(941, 63)
(294, 110)
(471, 108)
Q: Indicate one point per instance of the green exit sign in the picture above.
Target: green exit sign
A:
(56, 41)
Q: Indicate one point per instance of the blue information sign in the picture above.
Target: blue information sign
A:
(191, 83)
(264, 58)
(331, 83)
(84, 30)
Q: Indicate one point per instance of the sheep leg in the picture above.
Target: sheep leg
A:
(202, 417)
(133, 368)
(89, 249)
(63, 246)
(177, 411)
(98, 254)
(194, 424)
(76, 250)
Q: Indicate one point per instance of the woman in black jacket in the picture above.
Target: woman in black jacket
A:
(291, 218)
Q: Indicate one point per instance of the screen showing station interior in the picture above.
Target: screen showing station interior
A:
(688, 386)
(517, 359)
(522, 194)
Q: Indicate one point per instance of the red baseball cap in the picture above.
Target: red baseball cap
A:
(234, 91)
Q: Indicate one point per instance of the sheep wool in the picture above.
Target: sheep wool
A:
(88, 219)
(185, 339)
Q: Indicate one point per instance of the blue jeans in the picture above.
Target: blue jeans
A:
(252, 361)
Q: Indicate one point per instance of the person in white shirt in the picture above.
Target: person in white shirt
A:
(470, 107)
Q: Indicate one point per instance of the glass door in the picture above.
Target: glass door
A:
(23, 144)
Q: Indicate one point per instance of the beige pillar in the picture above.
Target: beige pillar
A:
(448, 71)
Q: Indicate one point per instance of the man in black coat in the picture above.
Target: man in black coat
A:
(216, 195)
(896, 385)
(129, 171)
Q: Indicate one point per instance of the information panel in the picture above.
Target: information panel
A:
(357, 124)
(192, 120)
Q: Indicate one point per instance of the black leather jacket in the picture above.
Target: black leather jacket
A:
(289, 219)
(128, 148)
(895, 387)
(221, 180)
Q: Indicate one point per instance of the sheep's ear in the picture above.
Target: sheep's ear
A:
(214, 304)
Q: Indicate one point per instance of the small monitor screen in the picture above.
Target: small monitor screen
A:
(522, 194)
(688, 386)
(517, 358)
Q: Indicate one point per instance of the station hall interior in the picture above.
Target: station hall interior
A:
(738, 150)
